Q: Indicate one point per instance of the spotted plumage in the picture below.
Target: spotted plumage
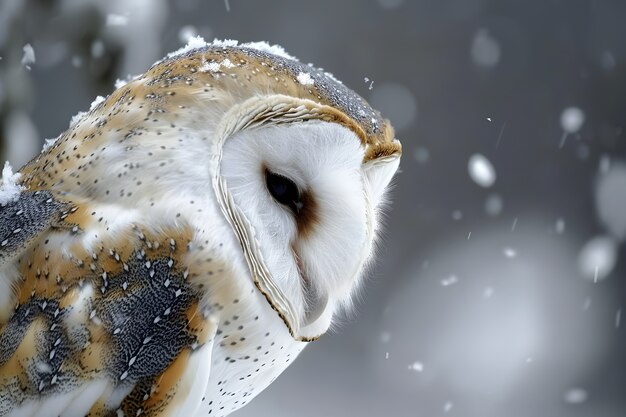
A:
(152, 262)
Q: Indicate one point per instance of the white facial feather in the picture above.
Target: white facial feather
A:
(324, 160)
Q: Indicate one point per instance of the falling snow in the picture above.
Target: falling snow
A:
(559, 226)
(485, 50)
(481, 171)
(610, 199)
(572, 119)
(451, 280)
(527, 287)
(28, 58)
(575, 396)
(488, 292)
(116, 20)
(422, 155)
(416, 366)
(494, 205)
(598, 258)
(186, 33)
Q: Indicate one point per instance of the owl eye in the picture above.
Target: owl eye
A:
(284, 191)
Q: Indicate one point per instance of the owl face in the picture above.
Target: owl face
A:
(311, 207)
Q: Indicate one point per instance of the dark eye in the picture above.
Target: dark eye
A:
(284, 191)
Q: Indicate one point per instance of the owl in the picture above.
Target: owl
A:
(177, 247)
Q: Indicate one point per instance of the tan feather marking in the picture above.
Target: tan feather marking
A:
(198, 325)
(166, 383)
(16, 366)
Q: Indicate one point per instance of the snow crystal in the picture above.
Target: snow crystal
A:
(77, 61)
(29, 56)
(559, 227)
(509, 252)
(493, 205)
(215, 66)
(618, 318)
(209, 67)
(48, 143)
(481, 170)
(385, 337)
(447, 407)
(94, 103)
(572, 119)
(185, 33)
(9, 189)
(97, 49)
(416, 366)
(225, 43)
(575, 396)
(121, 83)
(195, 42)
(488, 292)
(116, 20)
(270, 49)
(598, 258)
(457, 215)
(422, 155)
(610, 199)
(485, 50)
(305, 79)
(75, 119)
(451, 280)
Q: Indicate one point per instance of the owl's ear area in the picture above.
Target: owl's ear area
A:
(378, 174)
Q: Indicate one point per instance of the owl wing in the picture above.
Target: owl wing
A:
(114, 330)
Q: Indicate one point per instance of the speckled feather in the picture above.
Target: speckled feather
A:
(126, 298)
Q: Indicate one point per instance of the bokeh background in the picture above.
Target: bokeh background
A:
(499, 289)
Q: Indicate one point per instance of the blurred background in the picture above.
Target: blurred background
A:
(500, 287)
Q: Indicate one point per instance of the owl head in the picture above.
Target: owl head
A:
(303, 168)
(297, 162)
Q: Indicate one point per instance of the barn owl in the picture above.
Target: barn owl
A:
(177, 247)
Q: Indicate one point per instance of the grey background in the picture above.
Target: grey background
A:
(482, 302)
